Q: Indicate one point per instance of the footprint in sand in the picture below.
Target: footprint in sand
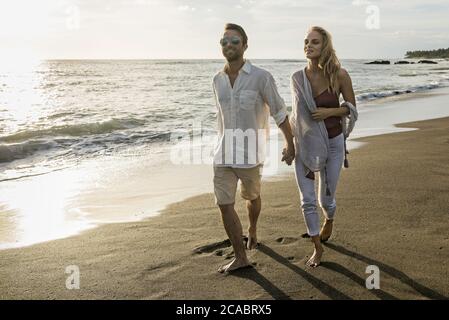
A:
(229, 255)
(286, 240)
(219, 248)
(282, 205)
(160, 270)
(213, 247)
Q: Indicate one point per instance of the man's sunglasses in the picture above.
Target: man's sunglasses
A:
(233, 40)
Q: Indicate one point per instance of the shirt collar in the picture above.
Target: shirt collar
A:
(246, 67)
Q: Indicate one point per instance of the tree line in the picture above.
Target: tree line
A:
(429, 54)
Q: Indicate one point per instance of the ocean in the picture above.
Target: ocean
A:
(88, 142)
(58, 113)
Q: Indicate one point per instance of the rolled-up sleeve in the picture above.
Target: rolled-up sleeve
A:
(274, 101)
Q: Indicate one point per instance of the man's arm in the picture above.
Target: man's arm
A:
(279, 112)
(288, 154)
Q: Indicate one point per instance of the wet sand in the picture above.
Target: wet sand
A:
(393, 206)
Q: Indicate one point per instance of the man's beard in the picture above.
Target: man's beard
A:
(234, 57)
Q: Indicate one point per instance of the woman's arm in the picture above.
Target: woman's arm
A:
(346, 90)
(348, 95)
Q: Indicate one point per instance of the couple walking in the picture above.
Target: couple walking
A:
(315, 135)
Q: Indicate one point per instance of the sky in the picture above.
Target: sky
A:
(180, 29)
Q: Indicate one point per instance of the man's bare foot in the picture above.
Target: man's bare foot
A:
(315, 259)
(326, 230)
(252, 239)
(234, 265)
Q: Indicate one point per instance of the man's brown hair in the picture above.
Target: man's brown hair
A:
(239, 29)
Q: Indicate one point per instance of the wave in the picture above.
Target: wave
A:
(179, 62)
(368, 96)
(60, 115)
(288, 60)
(75, 147)
(17, 151)
(17, 177)
(74, 130)
(440, 68)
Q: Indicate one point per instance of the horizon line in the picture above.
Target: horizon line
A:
(215, 59)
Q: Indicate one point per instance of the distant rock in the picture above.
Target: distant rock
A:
(379, 62)
(402, 62)
(427, 61)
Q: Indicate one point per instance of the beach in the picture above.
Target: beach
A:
(392, 212)
(100, 141)
(111, 121)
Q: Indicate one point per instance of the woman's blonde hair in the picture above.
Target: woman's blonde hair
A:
(328, 60)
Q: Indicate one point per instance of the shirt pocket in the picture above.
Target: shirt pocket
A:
(248, 99)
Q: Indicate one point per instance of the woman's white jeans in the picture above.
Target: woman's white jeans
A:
(307, 186)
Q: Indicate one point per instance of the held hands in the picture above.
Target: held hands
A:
(288, 154)
(322, 113)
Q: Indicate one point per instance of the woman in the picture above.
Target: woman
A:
(320, 127)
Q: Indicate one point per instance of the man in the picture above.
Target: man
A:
(245, 96)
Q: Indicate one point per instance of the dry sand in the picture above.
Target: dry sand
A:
(392, 212)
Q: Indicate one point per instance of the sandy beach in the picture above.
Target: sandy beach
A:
(113, 114)
(393, 205)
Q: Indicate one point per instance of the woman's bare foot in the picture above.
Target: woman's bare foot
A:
(315, 259)
(252, 239)
(326, 230)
